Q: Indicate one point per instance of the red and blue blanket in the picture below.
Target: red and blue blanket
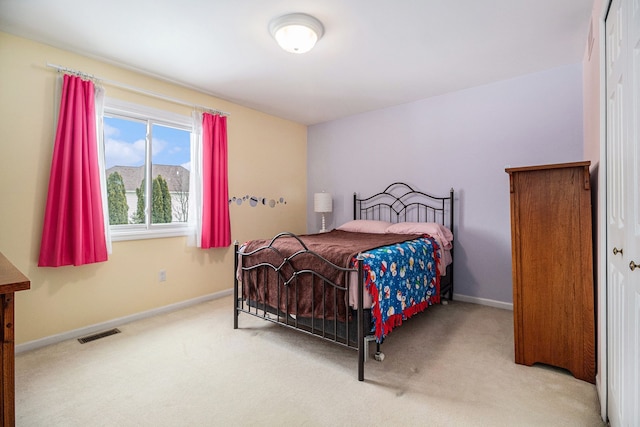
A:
(403, 280)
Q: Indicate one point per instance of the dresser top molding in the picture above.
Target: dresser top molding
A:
(11, 279)
(585, 164)
(544, 167)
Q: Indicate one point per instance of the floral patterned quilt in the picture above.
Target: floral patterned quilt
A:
(403, 280)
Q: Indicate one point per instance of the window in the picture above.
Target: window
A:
(148, 155)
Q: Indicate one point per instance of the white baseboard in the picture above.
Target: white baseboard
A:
(88, 330)
(483, 301)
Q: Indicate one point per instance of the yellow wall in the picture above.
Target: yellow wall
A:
(267, 158)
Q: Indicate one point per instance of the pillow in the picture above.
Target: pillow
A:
(365, 226)
(432, 228)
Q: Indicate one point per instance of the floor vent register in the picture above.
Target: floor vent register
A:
(99, 335)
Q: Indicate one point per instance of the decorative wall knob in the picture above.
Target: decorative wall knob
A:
(633, 265)
(617, 251)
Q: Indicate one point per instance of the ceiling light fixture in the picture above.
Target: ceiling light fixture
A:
(296, 32)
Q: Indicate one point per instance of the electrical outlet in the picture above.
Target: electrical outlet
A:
(162, 276)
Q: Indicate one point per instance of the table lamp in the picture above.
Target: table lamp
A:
(322, 203)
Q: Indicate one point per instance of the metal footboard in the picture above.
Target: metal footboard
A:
(257, 286)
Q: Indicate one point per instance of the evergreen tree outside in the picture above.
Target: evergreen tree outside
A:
(157, 215)
(160, 201)
(117, 200)
(138, 215)
(166, 199)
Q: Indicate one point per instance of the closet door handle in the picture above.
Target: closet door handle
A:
(617, 251)
(633, 265)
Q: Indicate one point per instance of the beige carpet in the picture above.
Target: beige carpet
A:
(450, 366)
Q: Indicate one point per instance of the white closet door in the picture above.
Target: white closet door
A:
(623, 211)
(616, 215)
(633, 176)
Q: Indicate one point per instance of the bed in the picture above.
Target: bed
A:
(353, 285)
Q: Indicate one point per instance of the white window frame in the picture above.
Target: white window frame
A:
(123, 109)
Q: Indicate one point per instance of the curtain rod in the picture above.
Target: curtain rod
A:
(135, 89)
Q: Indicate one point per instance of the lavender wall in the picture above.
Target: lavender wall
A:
(462, 140)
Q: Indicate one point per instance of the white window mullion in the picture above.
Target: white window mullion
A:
(148, 178)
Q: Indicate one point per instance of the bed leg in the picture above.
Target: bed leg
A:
(379, 356)
(235, 285)
(361, 364)
(451, 276)
(361, 344)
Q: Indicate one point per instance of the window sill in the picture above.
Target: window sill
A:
(155, 233)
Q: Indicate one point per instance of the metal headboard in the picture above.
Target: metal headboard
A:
(401, 203)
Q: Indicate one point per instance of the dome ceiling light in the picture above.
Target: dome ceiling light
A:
(296, 32)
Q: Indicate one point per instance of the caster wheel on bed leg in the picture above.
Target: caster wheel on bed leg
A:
(444, 302)
(379, 356)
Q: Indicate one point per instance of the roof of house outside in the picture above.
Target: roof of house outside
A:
(177, 177)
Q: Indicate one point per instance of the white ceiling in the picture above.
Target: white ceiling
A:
(374, 54)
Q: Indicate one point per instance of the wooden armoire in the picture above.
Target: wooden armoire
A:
(552, 263)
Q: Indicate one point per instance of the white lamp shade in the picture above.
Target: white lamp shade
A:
(322, 202)
(296, 32)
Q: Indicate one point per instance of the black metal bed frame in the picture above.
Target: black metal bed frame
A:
(397, 203)
(401, 203)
